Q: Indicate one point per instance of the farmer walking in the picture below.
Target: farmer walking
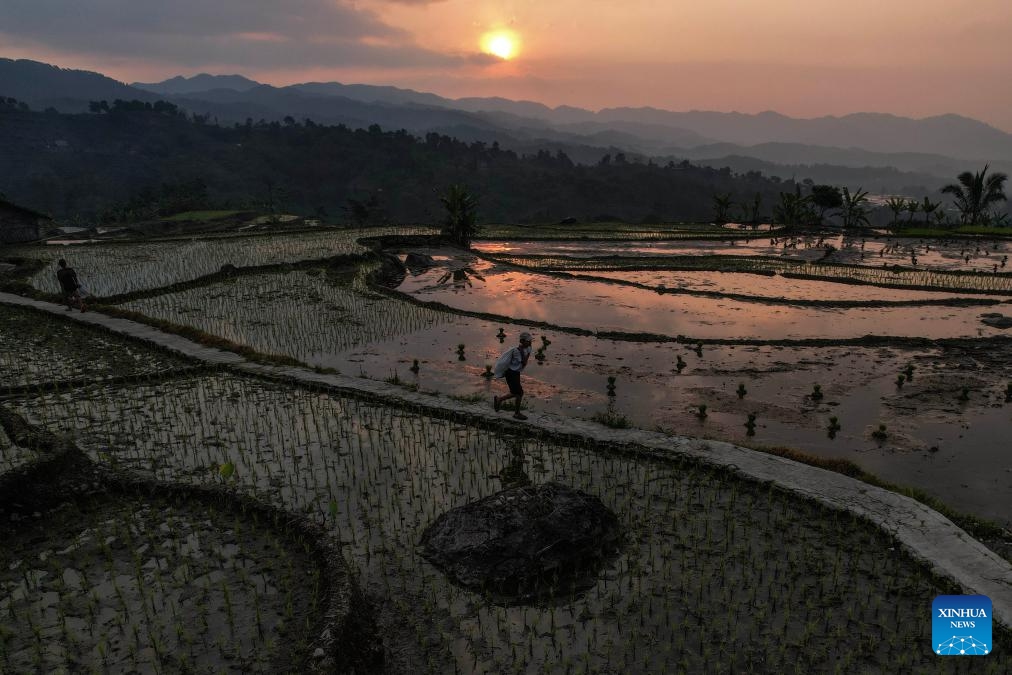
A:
(509, 366)
(71, 286)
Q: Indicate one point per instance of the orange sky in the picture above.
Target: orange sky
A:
(914, 58)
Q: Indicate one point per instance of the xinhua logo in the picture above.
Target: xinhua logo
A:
(961, 625)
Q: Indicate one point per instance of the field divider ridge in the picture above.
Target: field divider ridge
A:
(929, 536)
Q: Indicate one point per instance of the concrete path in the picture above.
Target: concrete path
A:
(928, 535)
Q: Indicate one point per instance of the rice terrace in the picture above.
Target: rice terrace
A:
(238, 459)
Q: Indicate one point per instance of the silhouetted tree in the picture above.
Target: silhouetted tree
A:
(825, 197)
(928, 207)
(897, 205)
(975, 193)
(721, 205)
(854, 211)
(461, 222)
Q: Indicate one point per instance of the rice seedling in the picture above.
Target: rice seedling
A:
(612, 419)
(834, 426)
(750, 424)
(39, 350)
(881, 433)
(110, 586)
(310, 318)
(741, 391)
(816, 394)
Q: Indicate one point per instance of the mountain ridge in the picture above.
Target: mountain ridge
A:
(940, 146)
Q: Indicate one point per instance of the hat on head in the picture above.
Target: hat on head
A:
(526, 336)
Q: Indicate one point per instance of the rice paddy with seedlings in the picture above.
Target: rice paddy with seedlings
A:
(313, 315)
(113, 268)
(36, 349)
(607, 231)
(151, 585)
(968, 255)
(685, 592)
(779, 288)
(685, 581)
(13, 456)
(887, 276)
(333, 320)
(529, 296)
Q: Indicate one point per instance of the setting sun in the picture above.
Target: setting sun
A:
(500, 43)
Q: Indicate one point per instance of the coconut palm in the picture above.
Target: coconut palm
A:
(976, 192)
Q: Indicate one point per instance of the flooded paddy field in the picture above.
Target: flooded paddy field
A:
(529, 296)
(926, 404)
(981, 255)
(684, 578)
(936, 441)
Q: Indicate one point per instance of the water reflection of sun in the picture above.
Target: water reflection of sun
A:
(502, 43)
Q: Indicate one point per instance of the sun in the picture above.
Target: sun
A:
(501, 43)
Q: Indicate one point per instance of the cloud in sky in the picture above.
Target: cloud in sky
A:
(816, 57)
(255, 34)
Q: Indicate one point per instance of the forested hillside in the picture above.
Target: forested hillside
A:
(130, 156)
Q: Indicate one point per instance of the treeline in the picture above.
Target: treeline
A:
(140, 160)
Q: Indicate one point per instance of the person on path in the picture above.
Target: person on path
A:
(71, 286)
(518, 362)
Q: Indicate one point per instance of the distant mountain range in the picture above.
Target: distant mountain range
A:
(879, 151)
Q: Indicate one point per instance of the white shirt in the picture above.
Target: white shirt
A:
(517, 362)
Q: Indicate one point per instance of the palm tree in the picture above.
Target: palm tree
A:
(853, 212)
(896, 205)
(461, 215)
(976, 192)
(721, 205)
(912, 207)
(793, 209)
(928, 207)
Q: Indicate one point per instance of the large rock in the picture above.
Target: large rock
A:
(527, 542)
(419, 261)
(996, 320)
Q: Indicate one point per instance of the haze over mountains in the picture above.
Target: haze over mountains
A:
(878, 151)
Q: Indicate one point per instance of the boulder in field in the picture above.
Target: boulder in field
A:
(419, 261)
(525, 543)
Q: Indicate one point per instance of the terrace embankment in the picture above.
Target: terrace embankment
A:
(115, 571)
(930, 538)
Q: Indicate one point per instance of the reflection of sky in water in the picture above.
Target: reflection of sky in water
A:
(760, 285)
(601, 306)
(935, 254)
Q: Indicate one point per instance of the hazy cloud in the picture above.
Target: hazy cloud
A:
(255, 33)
